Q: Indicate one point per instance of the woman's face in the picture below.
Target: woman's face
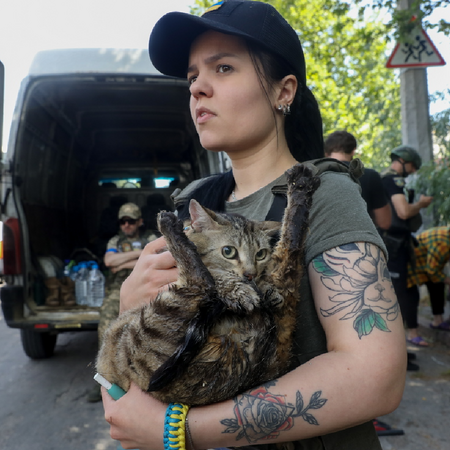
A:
(229, 108)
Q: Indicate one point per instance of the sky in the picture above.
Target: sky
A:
(28, 26)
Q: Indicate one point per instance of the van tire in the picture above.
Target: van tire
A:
(38, 345)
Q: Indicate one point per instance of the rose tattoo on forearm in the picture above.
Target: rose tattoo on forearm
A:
(261, 415)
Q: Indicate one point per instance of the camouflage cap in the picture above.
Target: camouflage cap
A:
(130, 210)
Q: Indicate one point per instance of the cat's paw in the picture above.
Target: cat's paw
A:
(169, 222)
(272, 299)
(300, 177)
(241, 297)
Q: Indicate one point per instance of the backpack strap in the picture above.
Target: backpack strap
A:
(278, 206)
(318, 166)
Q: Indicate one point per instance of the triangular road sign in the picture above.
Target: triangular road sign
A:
(418, 52)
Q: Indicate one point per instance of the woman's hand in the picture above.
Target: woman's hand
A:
(136, 419)
(154, 271)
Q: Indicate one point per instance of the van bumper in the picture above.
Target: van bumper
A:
(12, 304)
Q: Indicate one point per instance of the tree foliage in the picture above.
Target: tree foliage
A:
(434, 177)
(399, 24)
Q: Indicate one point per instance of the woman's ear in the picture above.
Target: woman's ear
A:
(287, 89)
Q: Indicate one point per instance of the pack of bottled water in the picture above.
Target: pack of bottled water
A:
(89, 282)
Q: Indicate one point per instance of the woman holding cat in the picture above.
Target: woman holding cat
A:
(247, 77)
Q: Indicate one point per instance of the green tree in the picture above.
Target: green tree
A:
(399, 23)
(433, 178)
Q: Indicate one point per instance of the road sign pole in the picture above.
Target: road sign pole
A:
(416, 129)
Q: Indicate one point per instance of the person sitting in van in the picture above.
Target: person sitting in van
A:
(122, 253)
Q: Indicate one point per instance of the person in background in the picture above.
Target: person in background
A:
(432, 254)
(249, 98)
(122, 253)
(341, 145)
(399, 241)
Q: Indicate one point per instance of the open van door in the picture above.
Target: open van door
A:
(2, 91)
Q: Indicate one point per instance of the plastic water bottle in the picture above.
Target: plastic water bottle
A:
(96, 286)
(81, 284)
(74, 272)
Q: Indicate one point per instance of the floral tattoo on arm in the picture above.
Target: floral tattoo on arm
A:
(358, 276)
(261, 415)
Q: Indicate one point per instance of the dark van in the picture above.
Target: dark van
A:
(92, 129)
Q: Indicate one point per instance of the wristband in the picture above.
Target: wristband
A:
(174, 426)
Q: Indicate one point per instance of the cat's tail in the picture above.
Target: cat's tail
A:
(197, 333)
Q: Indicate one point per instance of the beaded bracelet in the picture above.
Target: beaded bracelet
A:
(174, 426)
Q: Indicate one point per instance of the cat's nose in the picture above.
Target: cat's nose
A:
(249, 276)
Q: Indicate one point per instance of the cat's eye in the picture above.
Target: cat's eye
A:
(261, 254)
(229, 252)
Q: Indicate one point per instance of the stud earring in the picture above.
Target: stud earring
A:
(286, 110)
(280, 107)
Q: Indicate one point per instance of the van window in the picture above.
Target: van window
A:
(139, 179)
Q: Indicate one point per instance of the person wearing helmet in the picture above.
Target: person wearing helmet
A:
(406, 154)
(406, 219)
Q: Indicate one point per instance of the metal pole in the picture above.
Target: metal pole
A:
(416, 128)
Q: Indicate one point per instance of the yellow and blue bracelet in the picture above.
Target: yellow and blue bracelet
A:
(174, 426)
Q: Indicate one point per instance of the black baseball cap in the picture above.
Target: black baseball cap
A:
(173, 34)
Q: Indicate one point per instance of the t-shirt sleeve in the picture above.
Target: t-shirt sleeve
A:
(338, 216)
(378, 196)
(390, 187)
(111, 246)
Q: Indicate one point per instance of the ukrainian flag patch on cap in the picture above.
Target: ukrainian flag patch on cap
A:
(213, 7)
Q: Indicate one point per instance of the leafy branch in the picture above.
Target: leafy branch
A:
(314, 403)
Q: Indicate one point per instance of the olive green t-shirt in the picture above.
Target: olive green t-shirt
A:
(338, 216)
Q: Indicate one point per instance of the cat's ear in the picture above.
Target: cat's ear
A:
(270, 227)
(202, 218)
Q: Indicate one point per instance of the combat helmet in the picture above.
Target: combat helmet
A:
(408, 154)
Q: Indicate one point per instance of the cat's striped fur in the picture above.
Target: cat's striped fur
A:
(227, 323)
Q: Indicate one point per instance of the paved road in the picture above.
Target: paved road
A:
(43, 403)
(424, 413)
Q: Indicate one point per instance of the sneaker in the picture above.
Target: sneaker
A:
(95, 394)
(412, 367)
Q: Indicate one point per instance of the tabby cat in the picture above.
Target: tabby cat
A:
(227, 324)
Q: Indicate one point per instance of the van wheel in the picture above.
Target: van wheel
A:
(38, 345)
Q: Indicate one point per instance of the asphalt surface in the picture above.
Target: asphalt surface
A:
(424, 413)
(43, 402)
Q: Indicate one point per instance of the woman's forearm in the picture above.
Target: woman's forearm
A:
(331, 392)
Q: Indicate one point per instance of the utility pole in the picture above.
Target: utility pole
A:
(416, 128)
